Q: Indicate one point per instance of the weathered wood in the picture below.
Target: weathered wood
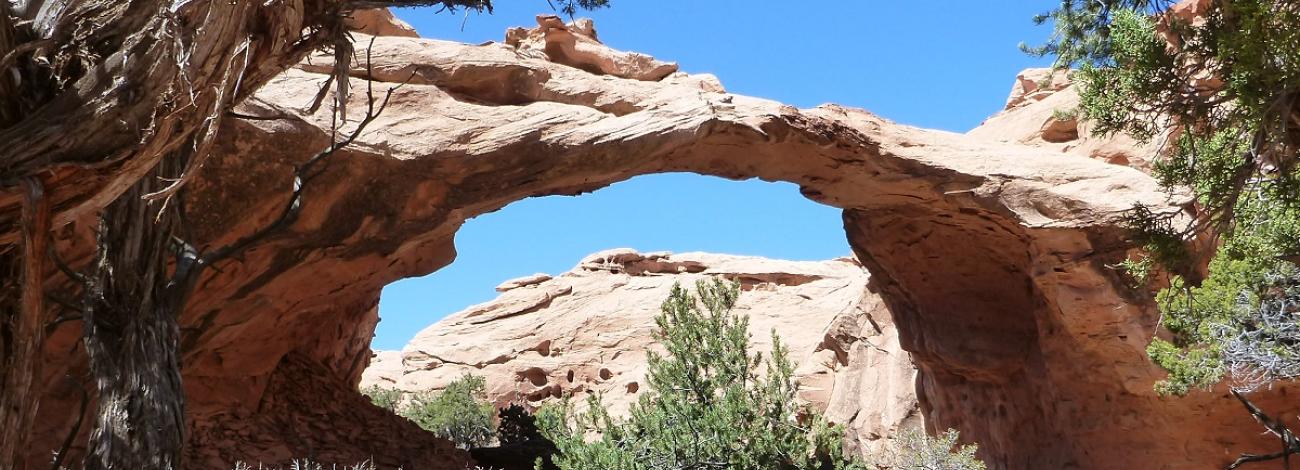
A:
(159, 77)
(8, 43)
(156, 81)
(20, 394)
(131, 335)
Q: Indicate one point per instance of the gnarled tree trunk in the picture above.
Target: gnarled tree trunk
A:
(22, 327)
(131, 335)
(94, 96)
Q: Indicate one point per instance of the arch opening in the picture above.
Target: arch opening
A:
(913, 201)
(675, 212)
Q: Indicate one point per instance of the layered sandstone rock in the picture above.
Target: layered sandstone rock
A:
(1042, 111)
(589, 329)
(576, 45)
(379, 22)
(990, 255)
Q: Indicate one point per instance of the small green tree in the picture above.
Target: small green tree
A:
(459, 413)
(707, 404)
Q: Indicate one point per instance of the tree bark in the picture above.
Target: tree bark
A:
(119, 83)
(25, 334)
(131, 334)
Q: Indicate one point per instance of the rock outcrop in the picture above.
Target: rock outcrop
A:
(379, 22)
(576, 45)
(588, 330)
(990, 256)
(1042, 111)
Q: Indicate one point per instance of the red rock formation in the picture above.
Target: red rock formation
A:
(991, 256)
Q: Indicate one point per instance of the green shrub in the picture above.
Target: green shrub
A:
(459, 413)
(386, 398)
(707, 404)
(914, 450)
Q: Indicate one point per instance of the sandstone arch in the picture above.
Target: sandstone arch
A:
(991, 256)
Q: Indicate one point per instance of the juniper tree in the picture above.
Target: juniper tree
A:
(709, 403)
(1217, 82)
(387, 398)
(1220, 86)
(459, 413)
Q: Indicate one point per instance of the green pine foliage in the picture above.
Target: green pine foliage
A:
(459, 413)
(1222, 92)
(709, 403)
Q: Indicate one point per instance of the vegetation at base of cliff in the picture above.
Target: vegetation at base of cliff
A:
(1220, 88)
(710, 404)
(387, 398)
(459, 413)
(308, 464)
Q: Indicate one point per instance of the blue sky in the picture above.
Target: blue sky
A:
(944, 64)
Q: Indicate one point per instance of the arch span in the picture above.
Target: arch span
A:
(676, 212)
(990, 256)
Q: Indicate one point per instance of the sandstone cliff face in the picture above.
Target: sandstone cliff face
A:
(989, 254)
(588, 330)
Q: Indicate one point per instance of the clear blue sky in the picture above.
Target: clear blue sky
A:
(944, 64)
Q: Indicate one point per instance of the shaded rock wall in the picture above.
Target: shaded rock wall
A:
(990, 255)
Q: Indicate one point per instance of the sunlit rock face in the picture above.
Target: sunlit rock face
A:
(588, 331)
(1042, 111)
(990, 254)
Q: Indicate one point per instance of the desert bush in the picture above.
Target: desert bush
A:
(459, 413)
(386, 398)
(914, 450)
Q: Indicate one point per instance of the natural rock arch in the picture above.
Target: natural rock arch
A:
(991, 256)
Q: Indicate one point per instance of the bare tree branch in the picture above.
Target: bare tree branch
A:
(303, 174)
(1290, 445)
(72, 433)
